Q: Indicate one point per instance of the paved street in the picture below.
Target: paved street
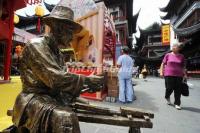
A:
(150, 96)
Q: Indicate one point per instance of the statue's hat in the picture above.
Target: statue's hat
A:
(63, 12)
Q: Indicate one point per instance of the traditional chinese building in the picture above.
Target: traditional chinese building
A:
(150, 49)
(184, 19)
(125, 22)
(152, 44)
(7, 9)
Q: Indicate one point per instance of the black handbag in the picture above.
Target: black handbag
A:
(184, 88)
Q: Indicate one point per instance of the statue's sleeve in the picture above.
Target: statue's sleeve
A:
(45, 67)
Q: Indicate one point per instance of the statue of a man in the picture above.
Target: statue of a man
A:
(42, 106)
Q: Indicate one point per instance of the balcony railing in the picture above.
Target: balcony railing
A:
(121, 18)
(191, 9)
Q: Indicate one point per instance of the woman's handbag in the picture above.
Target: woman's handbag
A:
(184, 88)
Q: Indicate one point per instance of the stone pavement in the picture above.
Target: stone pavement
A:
(150, 96)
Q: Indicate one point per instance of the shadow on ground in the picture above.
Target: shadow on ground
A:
(192, 109)
(145, 101)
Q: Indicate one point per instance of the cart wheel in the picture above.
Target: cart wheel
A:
(134, 130)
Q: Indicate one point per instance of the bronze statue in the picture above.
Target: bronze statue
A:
(42, 106)
(48, 101)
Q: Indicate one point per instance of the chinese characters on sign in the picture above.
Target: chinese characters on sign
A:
(165, 34)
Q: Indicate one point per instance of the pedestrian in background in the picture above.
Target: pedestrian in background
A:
(125, 64)
(144, 71)
(135, 71)
(173, 69)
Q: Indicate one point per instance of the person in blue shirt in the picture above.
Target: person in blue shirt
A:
(125, 64)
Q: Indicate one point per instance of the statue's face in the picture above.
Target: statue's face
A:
(62, 33)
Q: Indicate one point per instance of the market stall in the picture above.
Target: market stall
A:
(93, 48)
(96, 48)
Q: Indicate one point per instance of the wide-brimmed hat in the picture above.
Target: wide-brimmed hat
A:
(62, 12)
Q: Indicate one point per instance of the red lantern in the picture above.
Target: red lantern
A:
(39, 11)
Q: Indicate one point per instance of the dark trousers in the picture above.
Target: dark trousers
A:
(173, 84)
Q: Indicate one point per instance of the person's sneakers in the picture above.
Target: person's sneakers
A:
(122, 102)
(129, 102)
(178, 107)
(134, 98)
(168, 101)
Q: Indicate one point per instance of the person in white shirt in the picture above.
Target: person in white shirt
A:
(125, 64)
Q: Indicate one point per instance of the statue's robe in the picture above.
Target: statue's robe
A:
(47, 90)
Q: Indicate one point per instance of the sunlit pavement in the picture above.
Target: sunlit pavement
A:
(150, 96)
(167, 118)
(8, 93)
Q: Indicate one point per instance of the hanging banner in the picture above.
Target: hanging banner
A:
(166, 34)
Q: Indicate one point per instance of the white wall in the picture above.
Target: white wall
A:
(173, 37)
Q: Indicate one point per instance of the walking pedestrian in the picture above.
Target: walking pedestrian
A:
(125, 64)
(173, 70)
(144, 71)
(137, 72)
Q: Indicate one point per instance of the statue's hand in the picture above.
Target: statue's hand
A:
(94, 83)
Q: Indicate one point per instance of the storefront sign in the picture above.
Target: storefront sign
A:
(166, 34)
